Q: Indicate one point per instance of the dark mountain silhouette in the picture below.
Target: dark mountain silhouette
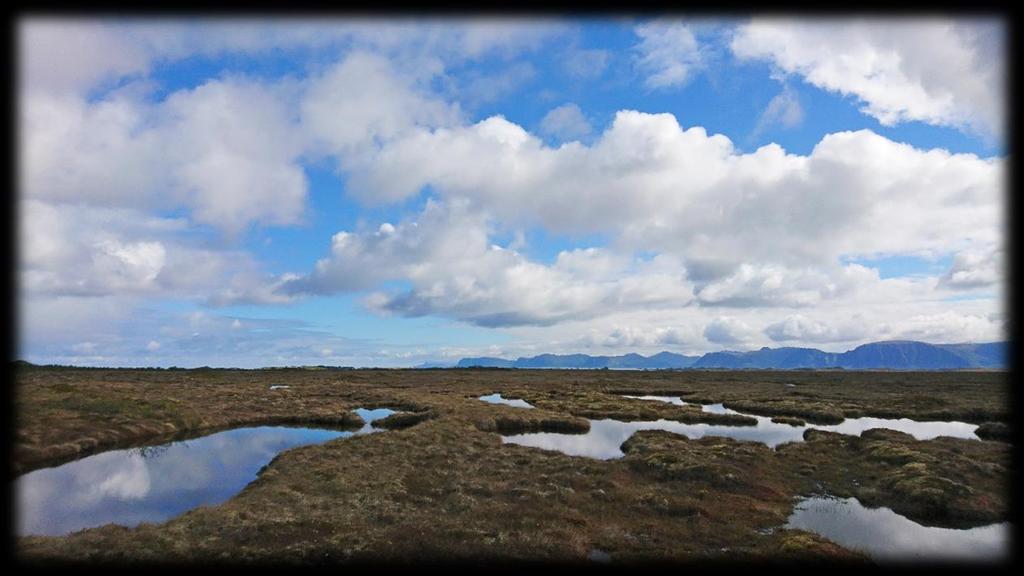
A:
(888, 355)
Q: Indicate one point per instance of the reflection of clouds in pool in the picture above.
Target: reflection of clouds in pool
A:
(887, 536)
(130, 481)
(369, 416)
(123, 487)
(851, 426)
(496, 398)
(670, 399)
(605, 436)
(919, 430)
(602, 441)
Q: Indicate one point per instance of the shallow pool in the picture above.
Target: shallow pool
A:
(603, 439)
(157, 483)
(888, 537)
(497, 399)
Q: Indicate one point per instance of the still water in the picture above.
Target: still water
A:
(852, 426)
(888, 537)
(497, 399)
(157, 483)
(605, 436)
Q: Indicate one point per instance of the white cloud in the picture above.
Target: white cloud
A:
(76, 250)
(975, 268)
(728, 330)
(237, 149)
(454, 271)
(656, 186)
(939, 71)
(668, 53)
(364, 100)
(566, 122)
(228, 150)
(950, 327)
(808, 330)
(68, 55)
(768, 285)
(77, 54)
(631, 337)
(783, 110)
(129, 265)
(762, 231)
(839, 326)
(75, 151)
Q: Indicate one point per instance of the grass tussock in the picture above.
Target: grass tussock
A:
(948, 482)
(994, 431)
(400, 420)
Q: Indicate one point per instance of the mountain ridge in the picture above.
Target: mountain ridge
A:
(882, 355)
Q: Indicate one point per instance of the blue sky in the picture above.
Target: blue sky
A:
(391, 192)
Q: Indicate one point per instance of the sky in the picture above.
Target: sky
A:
(396, 191)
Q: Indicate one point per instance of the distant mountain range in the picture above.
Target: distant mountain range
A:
(891, 355)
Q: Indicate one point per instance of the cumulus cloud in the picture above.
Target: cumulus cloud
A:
(634, 337)
(939, 71)
(718, 230)
(760, 285)
(454, 271)
(566, 122)
(975, 268)
(82, 251)
(227, 150)
(238, 151)
(762, 229)
(363, 100)
(660, 187)
(803, 329)
(668, 53)
(949, 327)
(70, 55)
(728, 330)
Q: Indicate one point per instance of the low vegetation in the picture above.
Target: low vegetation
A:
(441, 485)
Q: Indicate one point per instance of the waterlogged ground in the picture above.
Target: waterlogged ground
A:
(443, 483)
(606, 436)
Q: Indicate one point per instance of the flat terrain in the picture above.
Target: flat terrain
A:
(441, 485)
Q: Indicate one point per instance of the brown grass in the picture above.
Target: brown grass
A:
(442, 486)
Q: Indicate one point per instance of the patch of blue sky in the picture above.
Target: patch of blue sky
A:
(904, 265)
(971, 296)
